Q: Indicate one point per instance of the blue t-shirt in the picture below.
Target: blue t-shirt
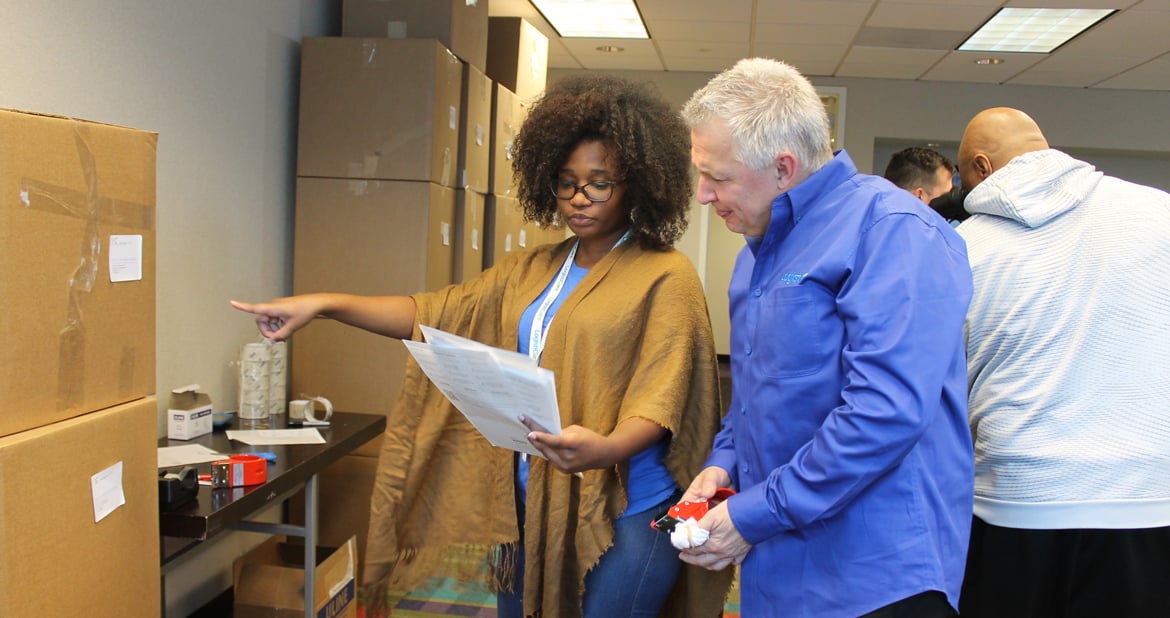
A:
(650, 482)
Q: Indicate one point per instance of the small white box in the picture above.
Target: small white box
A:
(189, 414)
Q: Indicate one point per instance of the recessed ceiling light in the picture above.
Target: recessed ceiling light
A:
(598, 19)
(610, 49)
(989, 61)
(1032, 30)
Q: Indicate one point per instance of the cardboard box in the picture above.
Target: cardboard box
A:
(372, 238)
(502, 223)
(517, 57)
(266, 586)
(461, 25)
(475, 132)
(468, 246)
(507, 115)
(77, 260)
(189, 413)
(385, 109)
(79, 516)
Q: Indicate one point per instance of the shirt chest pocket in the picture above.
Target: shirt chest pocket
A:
(798, 333)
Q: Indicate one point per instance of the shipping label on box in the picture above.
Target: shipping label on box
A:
(189, 413)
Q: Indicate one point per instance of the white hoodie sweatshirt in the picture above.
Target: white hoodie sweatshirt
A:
(1068, 345)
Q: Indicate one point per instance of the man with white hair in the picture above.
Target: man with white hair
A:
(846, 436)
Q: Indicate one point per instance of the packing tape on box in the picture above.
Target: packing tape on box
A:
(304, 410)
(98, 211)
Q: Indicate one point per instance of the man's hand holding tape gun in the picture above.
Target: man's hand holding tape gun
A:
(725, 545)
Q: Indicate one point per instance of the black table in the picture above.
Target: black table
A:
(296, 467)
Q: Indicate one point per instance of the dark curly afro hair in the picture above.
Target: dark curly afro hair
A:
(649, 139)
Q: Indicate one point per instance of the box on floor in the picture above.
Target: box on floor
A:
(79, 516)
(267, 584)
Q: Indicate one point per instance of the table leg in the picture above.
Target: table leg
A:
(310, 545)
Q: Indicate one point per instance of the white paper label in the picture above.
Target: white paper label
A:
(474, 239)
(125, 258)
(452, 116)
(523, 239)
(446, 233)
(107, 491)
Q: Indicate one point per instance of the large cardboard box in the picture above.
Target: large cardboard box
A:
(384, 109)
(372, 238)
(502, 223)
(79, 516)
(507, 115)
(461, 25)
(517, 57)
(475, 132)
(265, 586)
(468, 254)
(77, 260)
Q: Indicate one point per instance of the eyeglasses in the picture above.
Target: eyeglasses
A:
(596, 192)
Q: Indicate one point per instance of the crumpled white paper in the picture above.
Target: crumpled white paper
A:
(687, 534)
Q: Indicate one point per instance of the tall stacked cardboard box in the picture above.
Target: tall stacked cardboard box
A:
(397, 170)
(78, 464)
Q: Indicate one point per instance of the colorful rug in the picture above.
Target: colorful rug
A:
(447, 597)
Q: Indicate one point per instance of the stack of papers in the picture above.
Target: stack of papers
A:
(490, 386)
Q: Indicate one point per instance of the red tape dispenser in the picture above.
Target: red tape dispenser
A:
(686, 510)
(239, 470)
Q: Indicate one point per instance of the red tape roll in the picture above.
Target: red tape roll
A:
(239, 470)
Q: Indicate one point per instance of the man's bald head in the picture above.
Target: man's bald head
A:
(994, 137)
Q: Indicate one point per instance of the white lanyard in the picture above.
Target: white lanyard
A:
(538, 335)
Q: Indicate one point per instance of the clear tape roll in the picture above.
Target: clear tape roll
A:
(305, 410)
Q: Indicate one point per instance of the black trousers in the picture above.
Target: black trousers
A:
(1067, 573)
(930, 604)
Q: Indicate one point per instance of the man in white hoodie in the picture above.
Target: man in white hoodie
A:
(1068, 347)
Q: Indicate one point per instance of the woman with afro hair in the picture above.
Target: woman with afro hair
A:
(620, 317)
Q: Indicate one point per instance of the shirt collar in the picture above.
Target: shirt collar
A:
(791, 206)
(806, 194)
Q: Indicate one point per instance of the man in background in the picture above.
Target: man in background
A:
(930, 177)
(846, 436)
(1069, 370)
(921, 171)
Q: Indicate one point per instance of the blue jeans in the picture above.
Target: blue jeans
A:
(633, 578)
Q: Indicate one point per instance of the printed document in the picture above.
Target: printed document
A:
(492, 387)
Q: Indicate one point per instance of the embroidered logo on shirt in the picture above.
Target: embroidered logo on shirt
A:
(792, 278)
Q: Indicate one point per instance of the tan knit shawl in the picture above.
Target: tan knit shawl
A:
(632, 340)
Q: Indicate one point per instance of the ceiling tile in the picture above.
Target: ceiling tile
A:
(689, 49)
(819, 53)
(705, 64)
(961, 67)
(721, 31)
(1153, 75)
(804, 33)
(928, 16)
(696, 10)
(811, 12)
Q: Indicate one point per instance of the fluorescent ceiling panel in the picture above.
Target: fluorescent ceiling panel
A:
(601, 19)
(1037, 31)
